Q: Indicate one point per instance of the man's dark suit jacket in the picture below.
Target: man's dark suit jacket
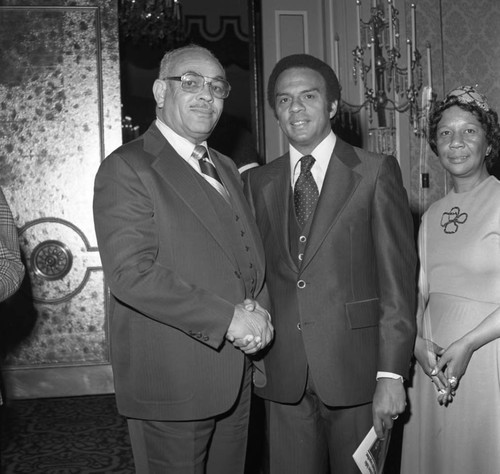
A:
(349, 310)
(174, 281)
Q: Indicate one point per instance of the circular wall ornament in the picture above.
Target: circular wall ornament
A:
(51, 260)
(59, 259)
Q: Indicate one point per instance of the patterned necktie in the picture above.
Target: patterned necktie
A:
(208, 169)
(306, 193)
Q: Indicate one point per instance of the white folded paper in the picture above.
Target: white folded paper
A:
(370, 455)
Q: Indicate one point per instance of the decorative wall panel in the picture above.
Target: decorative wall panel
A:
(59, 116)
(288, 27)
(291, 33)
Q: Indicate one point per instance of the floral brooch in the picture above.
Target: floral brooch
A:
(450, 220)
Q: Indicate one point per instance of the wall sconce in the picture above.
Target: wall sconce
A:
(390, 85)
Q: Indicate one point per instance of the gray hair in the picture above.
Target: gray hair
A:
(170, 56)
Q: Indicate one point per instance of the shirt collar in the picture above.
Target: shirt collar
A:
(247, 167)
(322, 154)
(182, 146)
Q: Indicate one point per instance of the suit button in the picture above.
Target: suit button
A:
(206, 338)
(299, 326)
(301, 256)
(301, 284)
(302, 238)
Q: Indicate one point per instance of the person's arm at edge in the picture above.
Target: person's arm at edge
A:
(11, 267)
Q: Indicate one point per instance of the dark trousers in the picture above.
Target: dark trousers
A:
(211, 446)
(312, 438)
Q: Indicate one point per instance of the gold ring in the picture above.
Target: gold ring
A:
(452, 380)
(395, 417)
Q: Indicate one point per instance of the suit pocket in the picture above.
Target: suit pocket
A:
(363, 314)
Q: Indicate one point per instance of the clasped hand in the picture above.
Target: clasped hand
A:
(444, 366)
(250, 329)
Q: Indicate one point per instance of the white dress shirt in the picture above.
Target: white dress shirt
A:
(322, 154)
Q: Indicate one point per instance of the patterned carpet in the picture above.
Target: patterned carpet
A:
(86, 435)
(81, 435)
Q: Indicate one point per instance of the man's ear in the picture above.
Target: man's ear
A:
(159, 91)
(333, 108)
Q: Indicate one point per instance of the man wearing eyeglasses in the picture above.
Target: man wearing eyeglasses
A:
(184, 263)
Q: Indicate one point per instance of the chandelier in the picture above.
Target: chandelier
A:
(390, 84)
(152, 22)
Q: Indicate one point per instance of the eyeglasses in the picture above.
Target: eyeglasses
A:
(194, 83)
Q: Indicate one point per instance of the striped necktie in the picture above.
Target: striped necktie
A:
(209, 172)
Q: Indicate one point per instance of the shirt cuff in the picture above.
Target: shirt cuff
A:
(389, 375)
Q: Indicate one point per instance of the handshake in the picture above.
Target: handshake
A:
(250, 329)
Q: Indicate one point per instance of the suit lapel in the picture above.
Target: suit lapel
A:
(340, 183)
(276, 194)
(180, 177)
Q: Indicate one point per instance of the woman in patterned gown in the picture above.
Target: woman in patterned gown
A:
(454, 400)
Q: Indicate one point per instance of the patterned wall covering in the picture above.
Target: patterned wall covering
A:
(59, 116)
(469, 53)
(472, 49)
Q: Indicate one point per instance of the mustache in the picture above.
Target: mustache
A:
(202, 105)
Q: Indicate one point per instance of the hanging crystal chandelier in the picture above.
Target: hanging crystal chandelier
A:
(152, 22)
